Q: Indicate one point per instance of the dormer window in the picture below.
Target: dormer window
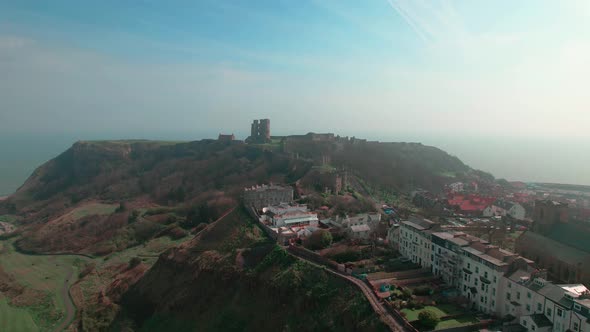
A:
(577, 307)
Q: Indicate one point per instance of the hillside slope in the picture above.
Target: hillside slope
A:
(231, 278)
(147, 174)
(58, 201)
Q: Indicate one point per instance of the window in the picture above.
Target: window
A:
(495, 279)
(483, 286)
(485, 274)
(468, 265)
(508, 295)
(528, 307)
(464, 288)
(576, 326)
(475, 282)
(493, 303)
(559, 312)
(477, 269)
(518, 295)
(528, 295)
(539, 307)
(548, 311)
(533, 327)
(524, 322)
(493, 291)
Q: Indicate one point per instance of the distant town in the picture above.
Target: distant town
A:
(476, 253)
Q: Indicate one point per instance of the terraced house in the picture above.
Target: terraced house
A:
(496, 281)
(415, 242)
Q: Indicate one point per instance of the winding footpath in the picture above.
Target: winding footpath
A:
(69, 304)
(377, 306)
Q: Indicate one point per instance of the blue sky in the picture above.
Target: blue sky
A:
(392, 65)
(482, 79)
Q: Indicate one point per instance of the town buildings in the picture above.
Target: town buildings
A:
(469, 204)
(415, 240)
(504, 208)
(226, 137)
(290, 215)
(557, 244)
(267, 195)
(492, 280)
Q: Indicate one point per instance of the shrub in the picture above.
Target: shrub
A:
(346, 256)
(422, 290)
(428, 319)
(407, 293)
(121, 208)
(319, 239)
(133, 262)
(87, 270)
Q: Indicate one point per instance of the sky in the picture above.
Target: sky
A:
(424, 70)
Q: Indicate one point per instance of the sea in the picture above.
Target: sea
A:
(515, 159)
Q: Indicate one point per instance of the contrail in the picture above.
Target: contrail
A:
(398, 8)
(411, 22)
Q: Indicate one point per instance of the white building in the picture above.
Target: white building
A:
(457, 187)
(361, 232)
(414, 240)
(504, 208)
(369, 219)
(540, 305)
(289, 215)
(495, 281)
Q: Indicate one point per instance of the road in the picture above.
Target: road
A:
(377, 306)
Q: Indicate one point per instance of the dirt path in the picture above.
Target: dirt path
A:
(69, 305)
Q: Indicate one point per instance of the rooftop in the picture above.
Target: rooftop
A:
(360, 228)
(485, 257)
(266, 187)
(541, 321)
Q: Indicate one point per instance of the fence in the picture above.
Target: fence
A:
(401, 319)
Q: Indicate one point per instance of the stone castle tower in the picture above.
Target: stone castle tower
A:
(260, 131)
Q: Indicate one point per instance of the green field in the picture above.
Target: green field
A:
(15, 319)
(442, 311)
(8, 218)
(94, 209)
(439, 310)
(148, 252)
(457, 322)
(49, 274)
(44, 273)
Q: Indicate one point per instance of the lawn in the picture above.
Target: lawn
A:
(9, 218)
(457, 322)
(441, 310)
(93, 209)
(49, 273)
(44, 273)
(148, 252)
(15, 319)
